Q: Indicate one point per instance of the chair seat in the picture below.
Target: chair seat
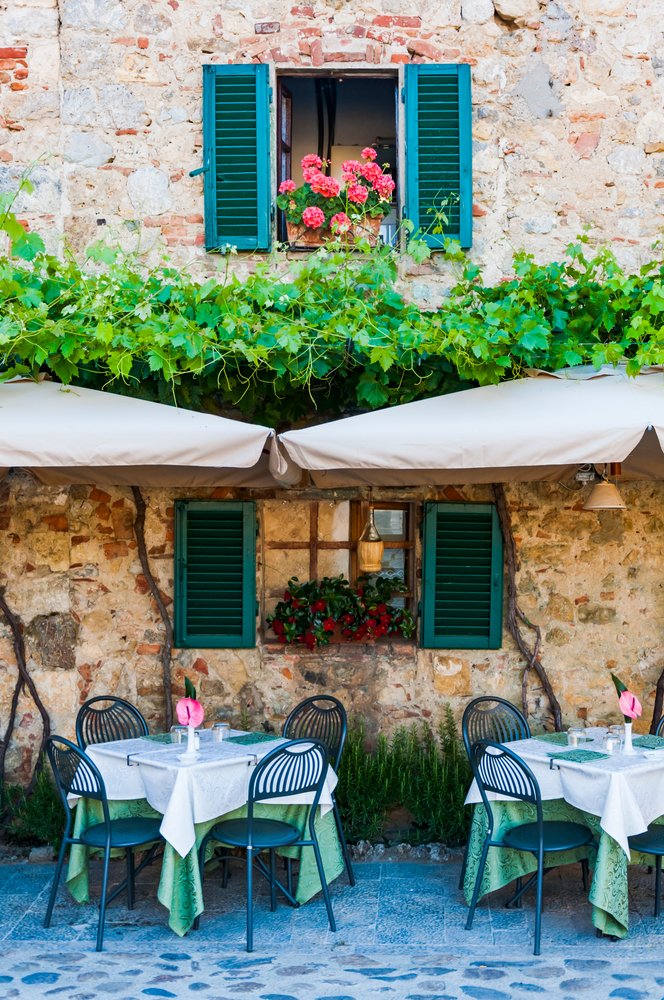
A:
(266, 833)
(558, 836)
(124, 832)
(650, 842)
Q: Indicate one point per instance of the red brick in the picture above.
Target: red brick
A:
(584, 599)
(8, 64)
(103, 511)
(99, 496)
(400, 57)
(380, 35)
(17, 53)
(266, 27)
(148, 648)
(141, 586)
(56, 522)
(305, 11)
(124, 40)
(342, 56)
(115, 550)
(200, 666)
(7, 157)
(383, 21)
(317, 58)
(126, 131)
(4, 77)
(20, 73)
(194, 218)
(421, 48)
(478, 212)
(143, 43)
(357, 31)
(79, 539)
(374, 52)
(18, 86)
(586, 144)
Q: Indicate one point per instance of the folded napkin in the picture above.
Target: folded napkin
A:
(250, 738)
(649, 742)
(577, 755)
(559, 738)
(158, 738)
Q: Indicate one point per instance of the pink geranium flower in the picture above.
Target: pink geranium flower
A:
(286, 187)
(368, 153)
(340, 223)
(630, 706)
(357, 193)
(328, 187)
(384, 186)
(189, 712)
(311, 174)
(351, 167)
(313, 217)
(371, 172)
(311, 160)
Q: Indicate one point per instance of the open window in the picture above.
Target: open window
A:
(419, 120)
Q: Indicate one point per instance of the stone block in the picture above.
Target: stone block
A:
(93, 15)
(87, 149)
(627, 160)
(452, 676)
(517, 11)
(477, 11)
(51, 641)
(537, 90)
(149, 191)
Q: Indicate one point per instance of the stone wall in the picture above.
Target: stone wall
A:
(72, 574)
(568, 125)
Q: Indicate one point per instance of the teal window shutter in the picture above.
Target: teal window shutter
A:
(462, 577)
(236, 157)
(439, 151)
(215, 574)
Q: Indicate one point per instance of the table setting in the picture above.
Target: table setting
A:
(192, 777)
(601, 776)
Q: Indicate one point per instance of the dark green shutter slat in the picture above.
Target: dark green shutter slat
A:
(462, 577)
(236, 139)
(215, 574)
(439, 150)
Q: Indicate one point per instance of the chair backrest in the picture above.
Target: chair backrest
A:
(75, 774)
(321, 718)
(496, 719)
(660, 727)
(294, 768)
(500, 771)
(106, 718)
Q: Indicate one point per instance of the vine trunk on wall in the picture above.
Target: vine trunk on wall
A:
(167, 645)
(23, 681)
(517, 620)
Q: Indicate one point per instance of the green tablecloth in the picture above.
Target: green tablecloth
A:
(180, 884)
(608, 889)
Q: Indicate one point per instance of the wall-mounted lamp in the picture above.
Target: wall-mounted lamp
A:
(605, 494)
(370, 547)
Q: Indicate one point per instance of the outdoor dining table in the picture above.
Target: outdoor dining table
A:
(149, 776)
(616, 796)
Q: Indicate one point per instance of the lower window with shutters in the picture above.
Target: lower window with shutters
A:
(462, 577)
(215, 574)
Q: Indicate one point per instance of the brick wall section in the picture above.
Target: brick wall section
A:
(567, 107)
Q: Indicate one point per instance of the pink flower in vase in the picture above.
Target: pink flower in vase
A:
(190, 712)
(630, 706)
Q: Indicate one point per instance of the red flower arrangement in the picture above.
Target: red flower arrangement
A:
(311, 612)
(322, 203)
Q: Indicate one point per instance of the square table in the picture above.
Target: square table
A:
(146, 777)
(616, 796)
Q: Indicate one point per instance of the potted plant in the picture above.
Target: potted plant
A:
(322, 209)
(313, 613)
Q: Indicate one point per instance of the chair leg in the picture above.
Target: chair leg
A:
(250, 900)
(478, 882)
(56, 880)
(464, 865)
(102, 902)
(584, 874)
(658, 879)
(289, 875)
(538, 906)
(323, 882)
(131, 879)
(224, 871)
(344, 845)
(273, 879)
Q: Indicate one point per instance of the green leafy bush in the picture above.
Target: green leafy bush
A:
(34, 819)
(419, 770)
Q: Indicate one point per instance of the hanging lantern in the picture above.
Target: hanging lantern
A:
(605, 494)
(370, 547)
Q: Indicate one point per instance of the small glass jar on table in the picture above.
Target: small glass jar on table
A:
(178, 734)
(221, 731)
(575, 737)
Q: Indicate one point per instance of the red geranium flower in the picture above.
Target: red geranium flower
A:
(328, 624)
(318, 605)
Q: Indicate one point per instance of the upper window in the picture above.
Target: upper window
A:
(462, 577)
(419, 122)
(215, 574)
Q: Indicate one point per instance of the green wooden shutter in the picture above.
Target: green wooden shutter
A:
(236, 156)
(215, 574)
(439, 150)
(462, 577)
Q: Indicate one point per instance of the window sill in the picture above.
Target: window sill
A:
(397, 647)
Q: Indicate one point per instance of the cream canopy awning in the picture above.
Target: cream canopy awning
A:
(73, 435)
(539, 427)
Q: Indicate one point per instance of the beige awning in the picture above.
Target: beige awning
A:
(539, 427)
(74, 435)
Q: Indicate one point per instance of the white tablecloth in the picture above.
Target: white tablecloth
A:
(187, 793)
(626, 792)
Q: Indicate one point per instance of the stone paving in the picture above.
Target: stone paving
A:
(400, 937)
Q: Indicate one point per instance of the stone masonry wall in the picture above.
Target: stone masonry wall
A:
(72, 574)
(103, 99)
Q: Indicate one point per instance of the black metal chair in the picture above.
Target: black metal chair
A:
(652, 842)
(76, 774)
(499, 770)
(106, 718)
(490, 718)
(294, 768)
(323, 718)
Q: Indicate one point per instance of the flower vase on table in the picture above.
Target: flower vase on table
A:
(630, 706)
(190, 713)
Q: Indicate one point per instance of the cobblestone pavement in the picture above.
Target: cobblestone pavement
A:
(400, 937)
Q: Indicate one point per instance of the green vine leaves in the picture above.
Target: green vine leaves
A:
(332, 334)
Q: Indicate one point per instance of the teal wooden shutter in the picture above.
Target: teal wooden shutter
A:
(236, 157)
(439, 150)
(215, 574)
(462, 577)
